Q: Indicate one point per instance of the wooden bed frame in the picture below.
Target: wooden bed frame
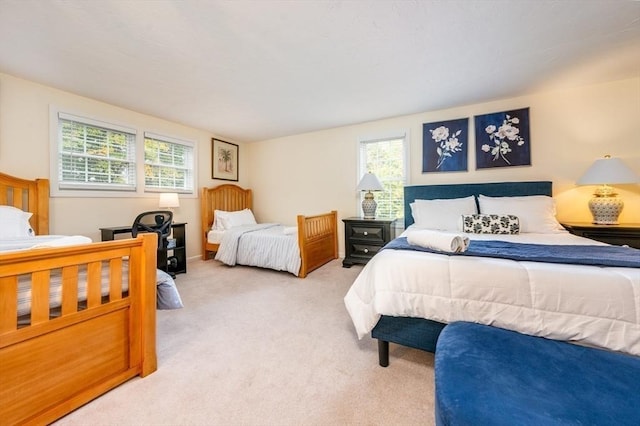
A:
(59, 362)
(422, 333)
(317, 235)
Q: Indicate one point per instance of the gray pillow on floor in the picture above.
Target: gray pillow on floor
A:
(167, 293)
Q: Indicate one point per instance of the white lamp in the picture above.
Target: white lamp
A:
(605, 205)
(369, 182)
(169, 200)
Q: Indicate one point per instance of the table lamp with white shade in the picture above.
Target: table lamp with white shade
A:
(169, 200)
(369, 182)
(606, 206)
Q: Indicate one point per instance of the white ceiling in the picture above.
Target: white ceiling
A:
(254, 70)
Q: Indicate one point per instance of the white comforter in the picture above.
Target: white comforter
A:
(598, 306)
(267, 245)
(42, 241)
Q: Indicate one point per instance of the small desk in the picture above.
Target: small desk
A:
(172, 260)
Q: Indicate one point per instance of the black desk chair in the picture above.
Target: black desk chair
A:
(158, 221)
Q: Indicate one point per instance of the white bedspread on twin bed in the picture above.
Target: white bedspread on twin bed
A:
(594, 305)
(266, 245)
(42, 241)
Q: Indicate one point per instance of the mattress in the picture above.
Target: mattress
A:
(597, 306)
(214, 236)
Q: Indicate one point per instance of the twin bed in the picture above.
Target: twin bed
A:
(407, 297)
(298, 250)
(53, 359)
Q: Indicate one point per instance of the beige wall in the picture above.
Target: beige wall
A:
(316, 172)
(24, 152)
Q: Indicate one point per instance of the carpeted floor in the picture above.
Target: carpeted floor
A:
(259, 347)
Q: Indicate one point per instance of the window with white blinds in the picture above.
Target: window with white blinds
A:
(387, 158)
(94, 158)
(95, 155)
(168, 164)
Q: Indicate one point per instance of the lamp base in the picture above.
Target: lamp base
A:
(605, 209)
(369, 206)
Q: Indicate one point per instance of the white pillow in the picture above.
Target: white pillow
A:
(537, 213)
(227, 220)
(442, 214)
(14, 223)
(217, 222)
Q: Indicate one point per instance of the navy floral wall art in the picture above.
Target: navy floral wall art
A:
(502, 139)
(444, 146)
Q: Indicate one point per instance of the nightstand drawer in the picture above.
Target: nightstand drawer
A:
(368, 233)
(364, 251)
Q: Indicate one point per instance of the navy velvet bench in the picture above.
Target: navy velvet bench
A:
(490, 376)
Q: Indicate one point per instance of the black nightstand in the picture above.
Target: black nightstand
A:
(363, 238)
(623, 234)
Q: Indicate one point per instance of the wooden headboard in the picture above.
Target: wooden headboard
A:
(496, 189)
(226, 197)
(28, 195)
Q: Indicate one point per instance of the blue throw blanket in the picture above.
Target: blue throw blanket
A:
(574, 254)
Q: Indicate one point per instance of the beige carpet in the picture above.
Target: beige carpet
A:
(259, 347)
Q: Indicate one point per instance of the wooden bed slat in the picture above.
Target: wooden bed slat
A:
(94, 284)
(69, 289)
(8, 304)
(115, 281)
(39, 297)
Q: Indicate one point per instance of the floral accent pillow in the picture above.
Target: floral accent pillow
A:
(490, 224)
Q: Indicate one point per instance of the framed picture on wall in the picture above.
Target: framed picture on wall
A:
(224, 160)
(444, 146)
(502, 139)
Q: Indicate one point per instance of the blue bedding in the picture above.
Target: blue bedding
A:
(572, 254)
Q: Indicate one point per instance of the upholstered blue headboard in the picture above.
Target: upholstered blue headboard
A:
(498, 189)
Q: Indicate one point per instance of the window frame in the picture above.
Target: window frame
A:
(402, 134)
(174, 141)
(86, 186)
